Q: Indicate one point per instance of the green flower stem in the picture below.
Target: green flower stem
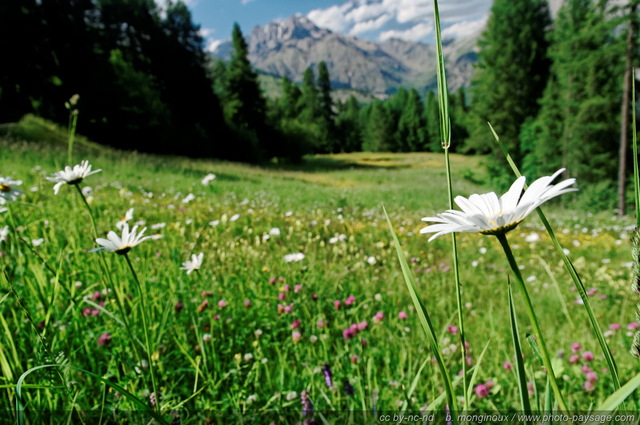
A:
(456, 273)
(73, 122)
(613, 368)
(146, 332)
(84, 200)
(108, 279)
(534, 322)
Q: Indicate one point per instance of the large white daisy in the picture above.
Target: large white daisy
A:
(490, 215)
(71, 176)
(123, 244)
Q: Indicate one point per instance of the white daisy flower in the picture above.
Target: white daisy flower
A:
(190, 197)
(123, 244)
(127, 216)
(298, 256)
(490, 215)
(234, 217)
(371, 260)
(274, 232)
(8, 190)
(4, 233)
(71, 176)
(194, 264)
(208, 179)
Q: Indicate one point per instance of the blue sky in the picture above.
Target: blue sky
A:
(369, 19)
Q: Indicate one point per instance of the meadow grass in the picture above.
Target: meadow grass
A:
(215, 354)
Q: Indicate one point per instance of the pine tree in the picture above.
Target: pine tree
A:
(244, 103)
(348, 125)
(512, 73)
(325, 105)
(631, 55)
(412, 127)
(432, 118)
(380, 130)
(577, 126)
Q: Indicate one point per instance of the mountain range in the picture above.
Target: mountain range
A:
(288, 47)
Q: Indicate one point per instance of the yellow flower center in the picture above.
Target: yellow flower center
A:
(5, 188)
(123, 250)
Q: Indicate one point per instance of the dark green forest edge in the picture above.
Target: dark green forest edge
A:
(558, 92)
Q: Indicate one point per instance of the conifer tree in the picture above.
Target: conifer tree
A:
(577, 127)
(432, 118)
(512, 73)
(411, 132)
(244, 103)
(348, 126)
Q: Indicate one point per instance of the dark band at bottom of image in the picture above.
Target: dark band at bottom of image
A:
(309, 417)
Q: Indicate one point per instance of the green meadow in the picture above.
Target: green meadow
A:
(248, 332)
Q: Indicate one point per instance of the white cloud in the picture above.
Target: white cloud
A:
(370, 25)
(415, 33)
(464, 28)
(213, 45)
(205, 32)
(394, 16)
(332, 18)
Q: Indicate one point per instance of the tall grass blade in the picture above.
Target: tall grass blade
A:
(613, 369)
(20, 405)
(474, 375)
(533, 318)
(445, 133)
(425, 320)
(617, 398)
(522, 376)
(634, 135)
(443, 95)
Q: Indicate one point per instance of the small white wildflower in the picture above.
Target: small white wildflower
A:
(190, 197)
(8, 190)
(158, 226)
(206, 337)
(298, 256)
(37, 242)
(4, 233)
(292, 395)
(214, 223)
(71, 176)
(532, 237)
(371, 260)
(127, 216)
(234, 217)
(248, 357)
(122, 244)
(208, 179)
(194, 264)
(274, 232)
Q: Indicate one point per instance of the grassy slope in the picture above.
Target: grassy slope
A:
(325, 197)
